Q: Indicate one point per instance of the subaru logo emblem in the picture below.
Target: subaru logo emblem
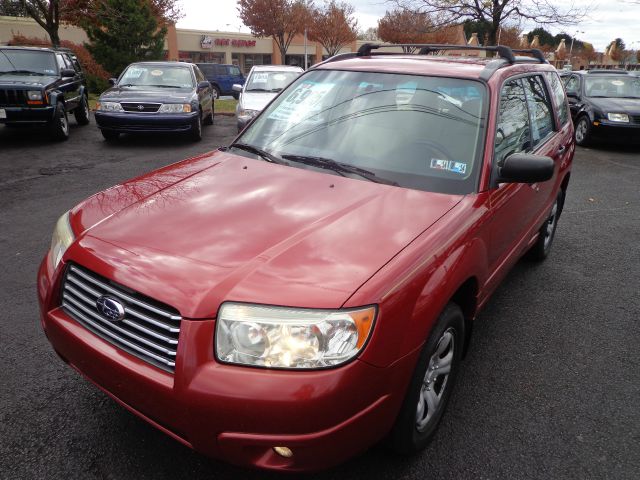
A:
(140, 107)
(110, 308)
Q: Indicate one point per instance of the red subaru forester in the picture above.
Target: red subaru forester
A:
(289, 300)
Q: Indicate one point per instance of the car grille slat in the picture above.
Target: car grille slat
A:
(150, 331)
(13, 98)
(135, 107)
(88, 302)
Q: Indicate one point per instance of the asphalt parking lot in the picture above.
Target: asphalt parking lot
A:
(550, 387)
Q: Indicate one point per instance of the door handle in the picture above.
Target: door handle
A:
(562, 148)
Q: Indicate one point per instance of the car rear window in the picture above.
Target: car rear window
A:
(418, 132)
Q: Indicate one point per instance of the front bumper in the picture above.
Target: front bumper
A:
(616, 131)
(27, 115)
(234, 413)
(129, 122)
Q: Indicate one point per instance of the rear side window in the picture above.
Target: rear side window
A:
(235, 71)
(512, 132)
(540, 108)
(559, 96)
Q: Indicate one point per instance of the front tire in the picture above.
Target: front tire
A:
(59, 126)
(216, 93)
(208, 120)
(82, 112)
(431, 385)
(583, 131)
(109, 135)
(196, 129)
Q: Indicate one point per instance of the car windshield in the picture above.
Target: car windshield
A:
(612, 86)
(32, 62)
(160, 76)
(269, 81)
(417, 132)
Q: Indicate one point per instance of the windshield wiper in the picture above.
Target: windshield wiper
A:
(165, 86)
(338, 167)
(257, 90)
(258, 151)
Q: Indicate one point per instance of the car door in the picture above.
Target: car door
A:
(514, 206)
(70, 86)
(204, 94)
(574, 93)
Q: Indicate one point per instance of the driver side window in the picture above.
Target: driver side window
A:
(512, 131)
(572, 85)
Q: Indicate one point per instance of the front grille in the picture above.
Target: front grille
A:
(136, 107)
(12, 98)
(149, 329)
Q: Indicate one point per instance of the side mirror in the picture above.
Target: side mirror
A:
(525, 168)
(204, 84)
(236, 88)
(67, 72)
(112, 81)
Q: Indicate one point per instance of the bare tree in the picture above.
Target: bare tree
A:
(405, 26)
(47, 15)
(333, 26)
(278, 19)
(495, 13)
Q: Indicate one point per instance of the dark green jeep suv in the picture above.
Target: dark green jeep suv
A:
(40, 86)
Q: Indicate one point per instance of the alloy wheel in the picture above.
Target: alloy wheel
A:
(435, 380)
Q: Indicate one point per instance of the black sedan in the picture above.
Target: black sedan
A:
(604, 104)
(156, 97)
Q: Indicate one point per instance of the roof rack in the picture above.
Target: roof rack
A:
(503, 51)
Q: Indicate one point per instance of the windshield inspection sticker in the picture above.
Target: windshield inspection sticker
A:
(156, 73)
(449, 165)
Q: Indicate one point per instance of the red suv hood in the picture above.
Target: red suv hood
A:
(247, 230)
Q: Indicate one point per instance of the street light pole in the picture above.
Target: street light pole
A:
(571, 48)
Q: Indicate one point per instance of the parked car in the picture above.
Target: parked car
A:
(156, 97)
(289, 300)
(263, 83)
(41, 86)
(605, 104)
(222, 78)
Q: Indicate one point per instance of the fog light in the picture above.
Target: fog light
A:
(283, 451)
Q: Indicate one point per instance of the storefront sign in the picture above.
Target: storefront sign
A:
(208, 42)
(236, 42)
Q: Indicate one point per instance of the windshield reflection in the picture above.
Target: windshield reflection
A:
(414, 131)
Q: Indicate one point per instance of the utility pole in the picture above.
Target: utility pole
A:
(305, 48)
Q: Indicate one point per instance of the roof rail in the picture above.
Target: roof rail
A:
(503, 51)
(615, 71)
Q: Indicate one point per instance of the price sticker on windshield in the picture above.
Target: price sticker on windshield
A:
(304, 102)
(3, 113)
(260, 78)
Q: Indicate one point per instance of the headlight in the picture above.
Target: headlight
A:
(245, 113)
(280, 337)
(61, 239)
(175, 108)
(109, 107)
(618, 117)
(34, 95)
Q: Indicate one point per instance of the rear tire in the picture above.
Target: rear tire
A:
(431, 385)
(59, 126)
(82, 112)
(109, 135)
(541, 249)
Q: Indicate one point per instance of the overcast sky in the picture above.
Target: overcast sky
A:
(607, 19)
